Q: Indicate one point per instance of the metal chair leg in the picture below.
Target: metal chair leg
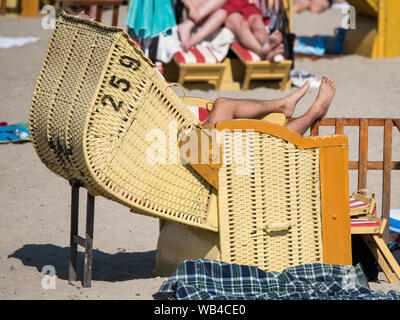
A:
(76, 240)
(89, 241)
(73, 247)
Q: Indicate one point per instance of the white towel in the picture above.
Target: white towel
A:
(8, 42)
(219, 42)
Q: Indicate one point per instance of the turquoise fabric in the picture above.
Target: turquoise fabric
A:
(149, 18)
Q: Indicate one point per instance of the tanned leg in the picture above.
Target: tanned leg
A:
(240, 27)
(228, 109)
(256, 24)
(212, 23)
(198, 10)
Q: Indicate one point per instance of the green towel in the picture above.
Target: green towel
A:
(149, 18)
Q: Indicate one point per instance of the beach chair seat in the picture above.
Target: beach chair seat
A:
(257, 69)
(197, 65)
(364, 222)
(103, 118)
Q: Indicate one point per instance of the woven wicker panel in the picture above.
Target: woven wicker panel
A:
(97, 99)
(276, 186)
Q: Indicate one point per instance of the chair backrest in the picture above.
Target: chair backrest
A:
(102, 114)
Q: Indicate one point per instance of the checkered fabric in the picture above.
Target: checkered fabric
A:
(213, 280)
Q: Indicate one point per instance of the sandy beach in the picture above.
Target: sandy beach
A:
(35, 203)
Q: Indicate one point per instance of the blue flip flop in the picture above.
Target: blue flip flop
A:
(14, 133)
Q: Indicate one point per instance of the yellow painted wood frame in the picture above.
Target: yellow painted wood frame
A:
(377, 29)
(363, 165)
(265, 70)
(209, 73)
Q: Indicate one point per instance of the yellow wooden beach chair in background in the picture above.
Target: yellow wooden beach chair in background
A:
(377, 29)
(100, 113)
(366, 223)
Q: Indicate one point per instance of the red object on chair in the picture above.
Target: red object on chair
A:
(196, 55)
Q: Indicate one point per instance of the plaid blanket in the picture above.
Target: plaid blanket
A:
(213, 280)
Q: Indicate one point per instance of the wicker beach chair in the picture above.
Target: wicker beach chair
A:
(102, 116)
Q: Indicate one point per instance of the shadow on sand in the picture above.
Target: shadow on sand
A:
(121, 266)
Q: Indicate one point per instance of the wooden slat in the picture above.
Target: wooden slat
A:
(3, 7)
(375, 165)
(363, 154)
(99, 13)
(115, 16)
(339, 127)
(386, 183)
(314, 131)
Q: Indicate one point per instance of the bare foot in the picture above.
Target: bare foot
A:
(289, 102)
(325, 96)
(184, 32)
(273, 40)
(277, 50)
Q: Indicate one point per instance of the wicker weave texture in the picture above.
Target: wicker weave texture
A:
(270, 215)
(97, 102)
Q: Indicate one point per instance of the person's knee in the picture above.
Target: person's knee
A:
(221, 102)
(235, 22)
(221, 14)
(255, 22)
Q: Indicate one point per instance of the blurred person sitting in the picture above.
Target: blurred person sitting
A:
(206, 15)
(245, 20)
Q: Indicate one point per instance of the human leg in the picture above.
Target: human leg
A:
(212, 23)
(240, 27)
(257, 26)
(198, 10)
(184, 31)
(228, 109)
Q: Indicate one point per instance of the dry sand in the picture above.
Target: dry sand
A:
(35, 203)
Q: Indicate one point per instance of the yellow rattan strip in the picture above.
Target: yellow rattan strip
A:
(282, 196)
(99, 110)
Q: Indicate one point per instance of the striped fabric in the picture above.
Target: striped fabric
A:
(247, 55)
(200, 113)
(197, 55)
(362, 222)
(358, 204)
